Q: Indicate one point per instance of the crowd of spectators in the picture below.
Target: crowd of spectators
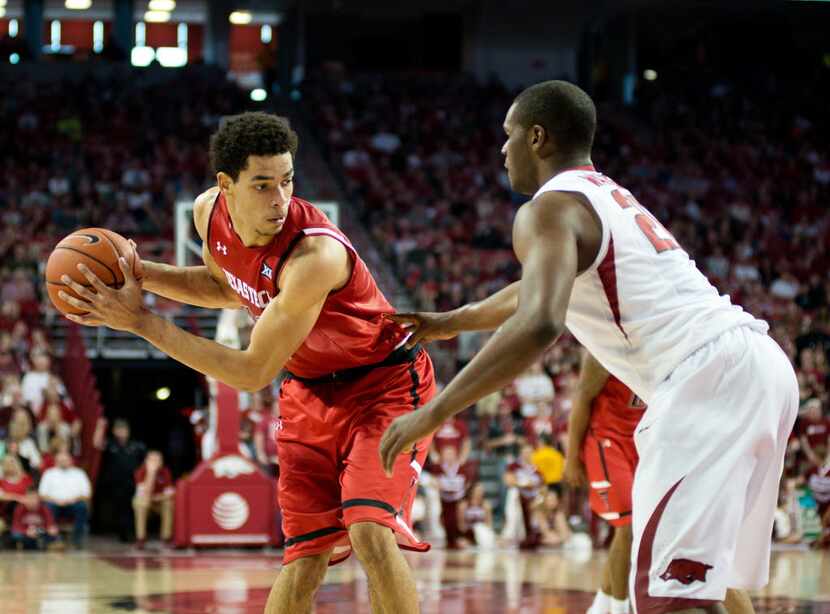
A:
(741, 183)
(117, 153)
(741, 179)
(39, 430)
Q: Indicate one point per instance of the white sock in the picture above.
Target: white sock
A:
(601, 604)
(619, 606)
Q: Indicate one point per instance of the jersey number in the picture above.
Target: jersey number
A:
(648, 224)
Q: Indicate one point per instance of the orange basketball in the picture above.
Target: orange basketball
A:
(99, 249)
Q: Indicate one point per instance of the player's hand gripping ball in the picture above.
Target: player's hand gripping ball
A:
(93, 276)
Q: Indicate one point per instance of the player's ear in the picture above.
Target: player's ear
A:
(540, 140)
(224, 181)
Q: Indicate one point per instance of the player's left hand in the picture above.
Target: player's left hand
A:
(120, 308)
(404, 433)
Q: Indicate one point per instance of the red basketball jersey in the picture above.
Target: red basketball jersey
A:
(616, 409)
(351, 330)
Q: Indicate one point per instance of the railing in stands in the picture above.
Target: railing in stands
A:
(83, 389)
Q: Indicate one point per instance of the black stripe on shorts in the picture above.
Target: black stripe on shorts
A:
(312, 535)
(370, 503)
(416, 381)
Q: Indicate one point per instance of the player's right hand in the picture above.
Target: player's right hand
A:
(575, 473)
(425, 326)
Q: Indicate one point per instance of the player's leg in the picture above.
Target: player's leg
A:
(297, 583)
(610, 462)
(752, 554)
(371, 500)
(738, 602)
(391, 583)
(710, 431)
(619, 566)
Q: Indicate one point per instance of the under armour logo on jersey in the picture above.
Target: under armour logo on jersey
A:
(220, 247)
(266, 270)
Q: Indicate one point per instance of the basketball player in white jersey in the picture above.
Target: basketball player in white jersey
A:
(722, 396)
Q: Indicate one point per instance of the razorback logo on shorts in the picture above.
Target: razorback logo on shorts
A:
(685, 571)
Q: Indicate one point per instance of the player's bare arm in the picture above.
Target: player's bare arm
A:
(203, 286)
(592, 379)
(487, 314)
(554, 237)
(318, 266)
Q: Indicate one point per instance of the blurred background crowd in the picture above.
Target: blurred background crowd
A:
(738, 169)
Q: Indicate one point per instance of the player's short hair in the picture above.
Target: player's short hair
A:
(249, 134)
(561, 108)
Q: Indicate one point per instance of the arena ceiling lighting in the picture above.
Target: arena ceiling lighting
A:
(78, 5)
(162, 5)
(142, 56)
(156, 16)
(171, 56)
(240, 18)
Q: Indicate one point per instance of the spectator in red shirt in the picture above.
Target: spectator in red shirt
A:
(455, 434)
(13, 485)
(33, 526)
(454, 478)
(154, 491)
(813, 431)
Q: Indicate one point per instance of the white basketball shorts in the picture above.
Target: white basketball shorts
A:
(711, 447)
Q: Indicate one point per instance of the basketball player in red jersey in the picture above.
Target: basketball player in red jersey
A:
(319, 315)
(601, 448)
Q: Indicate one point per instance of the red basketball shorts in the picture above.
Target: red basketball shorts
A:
(330, 470)
(610, 461)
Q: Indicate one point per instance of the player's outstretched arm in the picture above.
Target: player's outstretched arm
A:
(203, 286)
(487, 314)
(317, 266)
(592, 379)
(545, 239)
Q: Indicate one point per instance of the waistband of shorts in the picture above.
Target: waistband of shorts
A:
(400, 356)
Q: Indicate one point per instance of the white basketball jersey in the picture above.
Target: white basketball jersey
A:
(642, 307)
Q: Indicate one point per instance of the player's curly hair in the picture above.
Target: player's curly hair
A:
(249, 134)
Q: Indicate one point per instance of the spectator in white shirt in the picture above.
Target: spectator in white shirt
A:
(36, 380)
(66, 489)
(535, 391)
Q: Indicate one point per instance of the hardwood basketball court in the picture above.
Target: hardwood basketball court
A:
(109, 578)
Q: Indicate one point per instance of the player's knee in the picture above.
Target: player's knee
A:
(306, 573)
(371, 542)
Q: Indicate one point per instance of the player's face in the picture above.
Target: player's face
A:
(262, 193)
(517, 155)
